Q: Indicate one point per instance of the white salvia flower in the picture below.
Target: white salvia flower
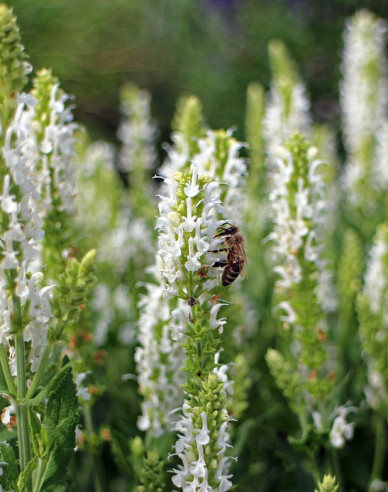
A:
(374, 319)
(232, 174)
(40, 312)
(194, 476)
(363, 91)
(293, 230)
(26, 199)
(125, 241)
(137, 132)
(158, 362)
(375, 286)
(59, 141)
(380, 178)
(318, 421)
(25, 229)
(7, 413)
(82, 391)
(364, 99)
(281, 122)
(194, 197)
(289, 315)
(101, 303)
(341, 430)
(171, 234)
(202, 437)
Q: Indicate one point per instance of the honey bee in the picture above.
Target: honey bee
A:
(236, 258)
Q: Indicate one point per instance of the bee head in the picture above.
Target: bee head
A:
(227, 231)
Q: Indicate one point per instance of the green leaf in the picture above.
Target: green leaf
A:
(25, 475)
(59, 423)
(3, 384)
(35, 430)
(38, 399)
(10, 471)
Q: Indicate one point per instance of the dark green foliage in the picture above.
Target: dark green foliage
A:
(57, 433)
(9, 478)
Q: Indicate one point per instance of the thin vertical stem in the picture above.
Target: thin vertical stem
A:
(21, 382)
(98, 478)
(6, 370)
(380, 447)
(337, 468)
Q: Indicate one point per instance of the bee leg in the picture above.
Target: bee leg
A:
(217, 250)
(220, 264)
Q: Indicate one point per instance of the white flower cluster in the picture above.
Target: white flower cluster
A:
(298, 217)
(185, 240)
(232, 174)
(173, 225)
(375, 285)
(22, 216)
(127, 240)
(57, 148)
(159, 361)
(363, 92)
(341, 430)
(283, 118)
(137, 131)
(376, 293)
(364, 99)
(193, 475)
(24, 206)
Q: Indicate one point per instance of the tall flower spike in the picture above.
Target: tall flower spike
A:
(190, 214)
(298, 205)
(288, 107)
(364, 107)
(373, 316)
(14, 68)
(55, 134)
(188, 127)
(159, 361)
(137, 156)
(137, 132)
(188, 123)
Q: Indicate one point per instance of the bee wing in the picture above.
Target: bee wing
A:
(240, 252)
(244, 272)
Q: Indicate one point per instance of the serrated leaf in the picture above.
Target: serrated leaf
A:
(10, 471)
(59, 422)
(35, 429)
(25, 475)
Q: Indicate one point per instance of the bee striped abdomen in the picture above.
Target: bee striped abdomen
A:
(232, 270)
(236, 258)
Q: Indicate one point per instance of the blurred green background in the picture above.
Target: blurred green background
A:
(210, 48)
(213, 49)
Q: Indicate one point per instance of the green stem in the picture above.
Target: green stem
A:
(21, 383)
(21, 409)
(380, 445)
(40, 371)
(98, 478)
(6, 371)
(337, 468)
